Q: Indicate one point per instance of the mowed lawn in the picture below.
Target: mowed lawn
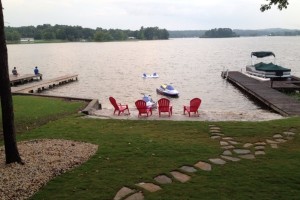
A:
(133, 151)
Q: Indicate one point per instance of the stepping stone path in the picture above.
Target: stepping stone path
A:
(203, 165)
(227, 153)
(180, 176)
(188, 169)
(217, 161)
(259, 147)
(223, 143)
(124, 191)
(247, 145)
(234, 159)
(230, 153)
(151, 187)
(163, 179)
(136, 196)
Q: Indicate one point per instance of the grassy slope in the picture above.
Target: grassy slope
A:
(135, 151)
(31, 112)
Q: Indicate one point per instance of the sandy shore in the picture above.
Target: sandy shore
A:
(262, 115)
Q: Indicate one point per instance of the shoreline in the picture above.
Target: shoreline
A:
(204, 116)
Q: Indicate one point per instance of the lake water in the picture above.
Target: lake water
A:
(193, 66)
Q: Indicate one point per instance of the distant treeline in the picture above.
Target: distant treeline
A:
(242, 33)
(219, 33)
(77, 33)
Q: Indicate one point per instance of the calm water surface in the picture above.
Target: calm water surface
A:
(193, 66)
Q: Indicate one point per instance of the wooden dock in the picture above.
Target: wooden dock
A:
(21, 79)
(36, 88)
(278, 101)
(43, 85)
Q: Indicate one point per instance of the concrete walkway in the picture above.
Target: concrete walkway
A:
(234, 151)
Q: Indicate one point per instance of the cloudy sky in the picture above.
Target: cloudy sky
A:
(169, 14)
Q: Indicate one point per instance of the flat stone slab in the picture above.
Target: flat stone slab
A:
(259, 147)
(242, 151)
(230, 158)
(136, 196)
(215, 137)
(217, 161)
(260, 143)
(227, 138)
(180, 176)
(227, 147)
(217, 134)
(277, 136)
(280, 140)
(247, 145)
(215, 128)
(233, 142)
(151, 187)
(274, 146)
(227, 153)
(223, 143)
(271, 141)
(203, 165)
(288, 133)
(163, 179)
(188, 169)
(260, 153)
(215, 131)
(124, 191)
(247, 156)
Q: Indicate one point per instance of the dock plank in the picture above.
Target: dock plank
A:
(281, 103)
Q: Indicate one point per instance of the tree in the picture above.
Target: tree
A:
(12, 35)
(102, 36)
(281, 4)
(11, 149)
(220, 33)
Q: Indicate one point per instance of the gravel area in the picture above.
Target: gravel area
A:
(44, 160)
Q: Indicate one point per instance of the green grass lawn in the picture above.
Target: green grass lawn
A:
(131, 152)
(31, 112)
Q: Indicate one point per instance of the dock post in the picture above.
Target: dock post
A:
(271, 79)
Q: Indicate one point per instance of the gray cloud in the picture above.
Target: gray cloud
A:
(132, 14)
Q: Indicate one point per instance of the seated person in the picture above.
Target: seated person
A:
(36, 71)
(14, 72)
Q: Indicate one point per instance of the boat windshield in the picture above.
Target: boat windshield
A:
(170, 87)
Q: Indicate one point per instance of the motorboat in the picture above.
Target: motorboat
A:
(154, 75)
(149, 101)
(167, 90)
(267, 70)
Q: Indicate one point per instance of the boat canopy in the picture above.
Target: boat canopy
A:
(270, 67)
(262, 54)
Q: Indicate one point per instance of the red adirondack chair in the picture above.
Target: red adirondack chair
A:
(118, 107)
(142, 108)
(164, 105)
(193, 107)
